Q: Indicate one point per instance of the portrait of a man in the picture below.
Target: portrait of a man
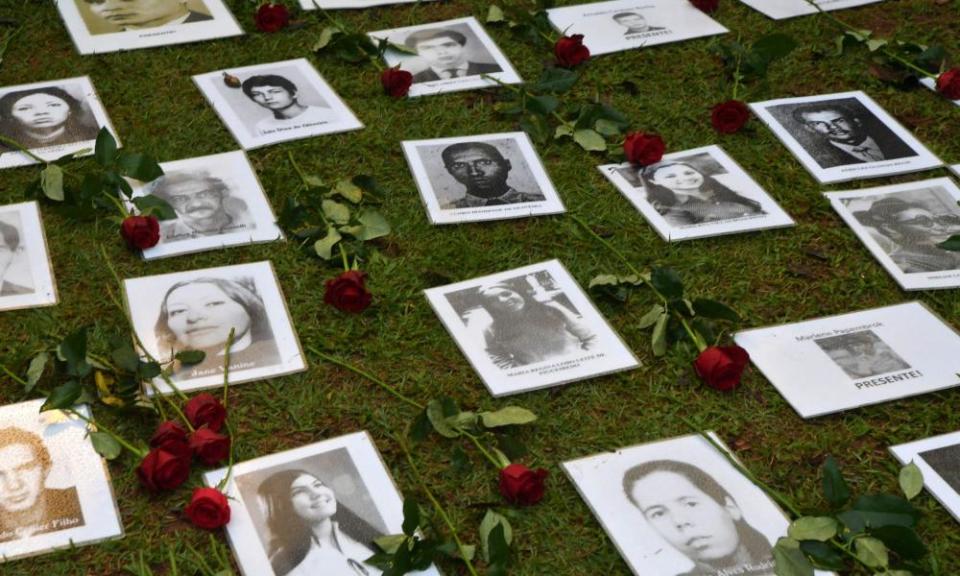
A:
(27, 506)
(484, 172)
(445, 53)
(280, 97)
(862, 354)
(138, 14)
(203, 204)
(10, 252)
(634, 23)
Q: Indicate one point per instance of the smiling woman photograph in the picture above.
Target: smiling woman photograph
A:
(43, 117)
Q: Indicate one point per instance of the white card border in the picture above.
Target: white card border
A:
(41, 264)
(934, 483)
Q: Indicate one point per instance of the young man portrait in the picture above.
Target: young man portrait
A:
(634, 23)
(484, 172)
(444, 52)
(280, 97)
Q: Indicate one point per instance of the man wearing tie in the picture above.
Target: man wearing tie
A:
(843, 137)
(443, 51)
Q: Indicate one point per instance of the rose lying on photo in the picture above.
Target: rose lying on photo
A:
(205, 410)
(643, 149)
(165, 468)
(271, 17)
(721, 367)
(729, 117)
(396, 82)
(522, 486)
(948, 83)
(140, 232)
(570, 51)
(347, 292)
(208, 509)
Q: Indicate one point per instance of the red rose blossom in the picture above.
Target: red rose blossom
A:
(706, 5)
(396, 82)
(165, 468)
(570, 51)
(721, 367)
(208, 509)
(140, 231)
(205, 410)
(271, 17)
(167, 433)
(209, 447)
(948, 83)
(729, 117)
(643, 149)
(347, 292)
(521, 485)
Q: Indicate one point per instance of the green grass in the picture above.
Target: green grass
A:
(769, 276)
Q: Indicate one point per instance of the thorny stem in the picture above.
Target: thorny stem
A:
(524, 93)
(107, 431)
(343, 257)
(393, 391)
(15, 378)
(476, 442)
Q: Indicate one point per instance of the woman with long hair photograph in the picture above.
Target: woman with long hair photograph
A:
(42, 117)
(684, 195)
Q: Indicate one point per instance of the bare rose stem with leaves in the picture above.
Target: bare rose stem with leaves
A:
(523, 95)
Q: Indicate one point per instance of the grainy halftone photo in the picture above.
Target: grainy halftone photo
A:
(946, 462)
(204, 203)
(15, 274)
(446, 52)
(110, 16)
(46, 116)
(862, 354)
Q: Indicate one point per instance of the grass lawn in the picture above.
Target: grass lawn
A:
(816, 268)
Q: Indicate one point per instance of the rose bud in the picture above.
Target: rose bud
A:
(209, 447)
(205, 410)
(396, 82)
(721, 367)
(729, 117)
(707, 6)
(570, 51)
(643, 149)
(140, 232)
(347, 292)
(167, 433)
(521, 485)
(165, 468)
(948, 83)
(271, 17)
(231, 80)
(208, 509)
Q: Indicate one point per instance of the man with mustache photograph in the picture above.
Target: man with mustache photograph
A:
(484, 172)
(203, 205)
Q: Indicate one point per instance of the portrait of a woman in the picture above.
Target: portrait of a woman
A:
(310, 532)
(684, 195)
(199, 314)
(42, 117)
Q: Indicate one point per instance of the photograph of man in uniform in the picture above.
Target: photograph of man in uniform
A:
(484, 172)
(10, 251)
(27, 506)
(634, 23)
(862, 354)
(279, 96)
(203, 205)
(137, 14)
(445, 53)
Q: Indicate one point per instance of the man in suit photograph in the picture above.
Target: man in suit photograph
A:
(634, 23)
(445, 54)
(137, 14)
(840, 135)
(10, 249)
(483, 171)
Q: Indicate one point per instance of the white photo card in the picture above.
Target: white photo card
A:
(26, 273)
(99, 26)
(677, 507)
(628, 24)
(196, 310)
(51, 119)
(276, 500)
(841, 362)
(347, 4)
(450, 56)
(844, 136)
(56, 491)
(529, 328)
(219, 202)
(697, 193)
(276, 102)
(485, 177)
(782, 9)
(938, 458)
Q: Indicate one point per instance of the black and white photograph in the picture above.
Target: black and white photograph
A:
(26, 273)
(218, 201)
(837, 363)
(845, 136)
(629, 24)
(312, 510)
(276, 102)
(938, 458)
(348, 4)
(55, 490)
(197, 310)
(903, 226)
(529, 328)
(697, 193)
(485, 177)
(677, 507)
(99, 26)
(447, 56)
(50, 119)
(783, 9)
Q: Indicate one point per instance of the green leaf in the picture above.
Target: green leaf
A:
(902, 540)
(875, 44)
(438, 418)
(542, 104)
(607, 127)
(390, 543)
(149, 370)
(659, 339)
(713, 309)
(155, 206)
(324, 246)
(140, 167)
(498, 549)
(556, 80)
(590, 140)
(651, 317)
(125, 357)
(952, 243)
(466, 420)
(105, 150)
(871, 552)
(562, 131)
(421, 427)
(790, 560)
(348, 190)
(774, 46)
(190, 356)
(51, 181)
(820, 528)
(911, 480)
(823, 555)
(326, 35)
(451, 549)
(37, 365)
(105, 445)
(835, 488)
(536, 127)
(63, 396)
(507, 416)
(374, 224)
(490, 521)
(411, 516)
(73, 351)
(667, 282)
(495, 14)
(335, 211)
(885, 510)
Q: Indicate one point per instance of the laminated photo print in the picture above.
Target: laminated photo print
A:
(99, 26)
(696, 194)
(55, 491)
(280, 503)
(938, 458)
(677, 507)
(26, 274)
(529, 328)
(844, 136)
(218, 201)
(447, 56)
(904, 227)
(276, 102)
(783, 9)
(841, 362)
(50, 119)
(197, 310)
(486, 177)
(346, 4)
(627, 24)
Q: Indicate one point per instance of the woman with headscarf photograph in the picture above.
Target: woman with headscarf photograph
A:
(44, 117)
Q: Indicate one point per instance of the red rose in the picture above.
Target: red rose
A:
(208, 509)
(396, 81)
(721, 367)
(140, 231)
(729, 117)
(209, 447)
(570, 51)
(948, 83)
(706, 5)
(165, 468)
(521, 485)
(643, 149)
(347, 292)
(167, 433)
(205, 410)
(271, 17)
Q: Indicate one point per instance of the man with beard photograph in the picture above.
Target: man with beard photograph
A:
(203, 204)
(484, 172)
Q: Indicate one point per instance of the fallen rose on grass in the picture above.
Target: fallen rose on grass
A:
(208, 509)
(205, 410)
(721, 367)
(140, 231)
(167, 433)
(209, 447)
(643, 149)
(570, 51)
(707, 6)
(396, 82)
(948, 83)
(165, 468)
(729, 117)
(521, 485)
(271, 17)
(347, 292)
